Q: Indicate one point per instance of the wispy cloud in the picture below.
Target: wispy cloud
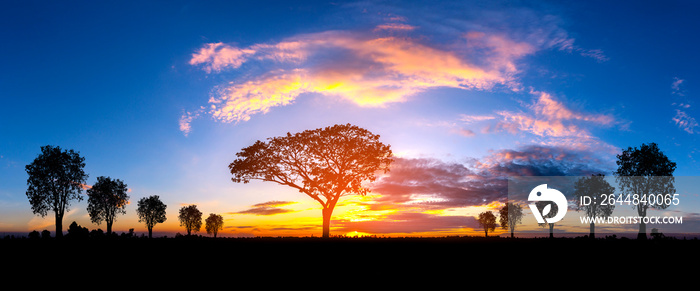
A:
(548, 117)
(368, 70)
(676, 87)
(405, 53)
(267, 208)
(682, 118)
(685, 121)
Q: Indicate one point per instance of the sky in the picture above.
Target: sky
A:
(163, 94)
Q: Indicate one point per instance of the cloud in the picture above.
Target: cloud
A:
(420, 191)
(434, 184)
(475, 118)
(367, 69)
(406, 50)
(267, 208)
(218, 56)
(685, 121)
(676, 87)
(682, 119)
(548, 117)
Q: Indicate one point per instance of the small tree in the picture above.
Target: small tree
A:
(55, 178)
(191, 218)
(151, 211)
(591, 188)
(488, 221)
(324, 163)
(106, 199)
(541, 205)
(214, 223)
(510, 215)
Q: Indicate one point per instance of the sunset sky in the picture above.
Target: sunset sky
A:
(162, 94)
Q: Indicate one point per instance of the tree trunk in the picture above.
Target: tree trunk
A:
(642, 231)
(150, 232)
(642, 211)
(109, 228)
(511, 233)
(327, 221)
(59, 226)
(486, 233)
(592, 235)
(551, 230)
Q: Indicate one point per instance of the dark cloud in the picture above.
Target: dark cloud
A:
(537, 160)
(443, 185)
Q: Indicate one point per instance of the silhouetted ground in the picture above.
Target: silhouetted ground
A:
(167, 263)
(371, 248)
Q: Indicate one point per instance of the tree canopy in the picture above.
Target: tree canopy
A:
(106, 199)
(324, 163)
(56, 177)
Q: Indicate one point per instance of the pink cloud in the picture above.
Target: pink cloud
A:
(366, 69)
(548, 117)
(218, 56)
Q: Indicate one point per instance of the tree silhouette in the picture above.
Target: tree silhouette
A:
(552, 212)
(214, 223)
(106, 199)
(76, 231)
(510, 215)
(645, 171)
(191, 218)
(488, 221)
(324, 163)
(592, 188)
(55, 178)
(151, 211)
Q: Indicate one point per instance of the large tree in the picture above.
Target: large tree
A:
(488, 221)
(510, 216)
(645, 171)
(56, 177)
(191, 218)
(151, 211)
(106, 199)
(324, 163)
(591, 188)
(214, 223)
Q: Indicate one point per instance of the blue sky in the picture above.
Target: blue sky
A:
(144, 90)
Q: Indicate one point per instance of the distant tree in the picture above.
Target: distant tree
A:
(106, 199)
(214, 223)
(34, 235)
(191, 218)
(45, 234)
(592, 188)
(510, 216)
(488, 221)
(645, 171)
(55, 178)
(552, 212)
(324, 163)
(151, 211)
(76, 231)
